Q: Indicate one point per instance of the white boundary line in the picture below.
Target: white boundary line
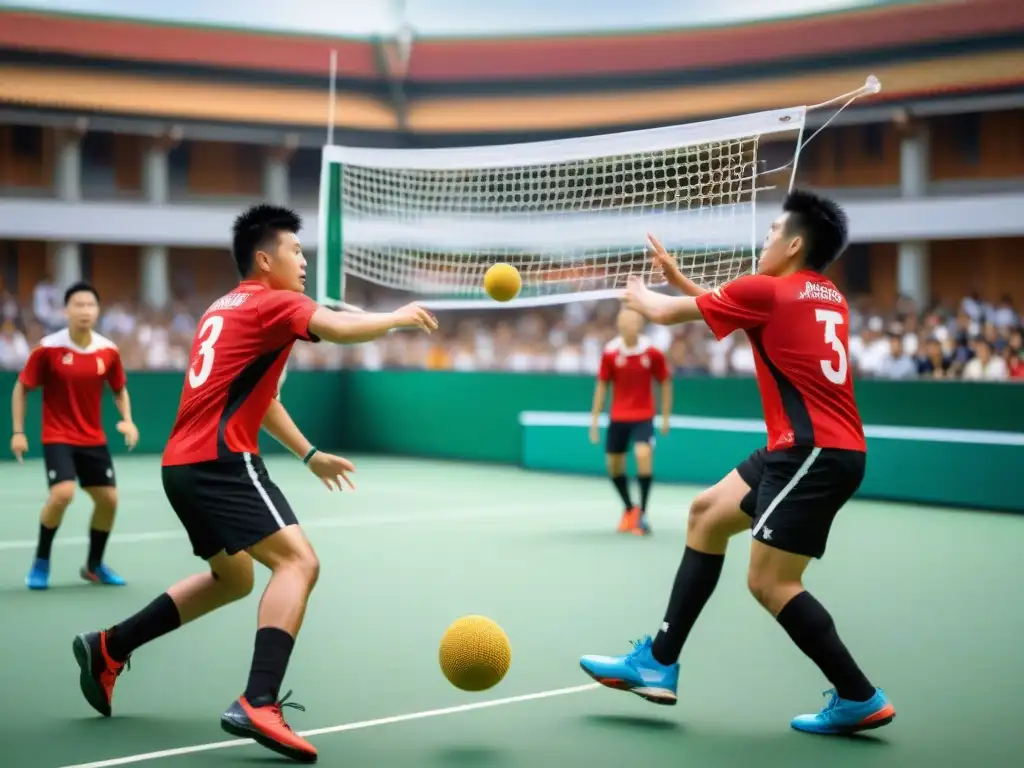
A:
(129, 759)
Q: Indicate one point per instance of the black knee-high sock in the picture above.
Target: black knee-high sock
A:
(622, 486)
(155, 620)
(45, 542)
(97, 544)
(645, 490)
(812, 629)
(269, 662)
(695, 581)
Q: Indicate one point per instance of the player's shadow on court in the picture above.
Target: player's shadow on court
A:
(466, 755)
(635, 723)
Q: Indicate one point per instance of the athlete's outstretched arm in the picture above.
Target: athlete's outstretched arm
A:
(356, 327)
(280, 425)
(658, 308)
(664, 261)
(332, 470)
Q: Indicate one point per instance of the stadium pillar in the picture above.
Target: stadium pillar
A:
(154, 275)
(912, 267)
(67, 262)
(276, 189)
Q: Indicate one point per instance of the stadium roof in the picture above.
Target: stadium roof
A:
(511, 85)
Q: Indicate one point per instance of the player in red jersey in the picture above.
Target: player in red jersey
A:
(73, 367)
(787, 493)
(631, 364)
(218, 485)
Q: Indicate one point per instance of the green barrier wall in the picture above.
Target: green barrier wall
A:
(312, 398)
(475, 416)
(968, 468)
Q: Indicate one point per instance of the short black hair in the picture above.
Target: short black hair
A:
(821, 223)
(79, 287)
(255, 228)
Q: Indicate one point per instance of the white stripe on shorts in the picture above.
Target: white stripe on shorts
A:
(800, 473)
(261, 490)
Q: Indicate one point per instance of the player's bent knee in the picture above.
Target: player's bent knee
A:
(61, 494)
(310, 565)
(234, 576)
(616, 463)
(103, 496)
(240, 585)
(702, 514)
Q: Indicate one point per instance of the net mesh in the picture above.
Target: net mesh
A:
(571, 227)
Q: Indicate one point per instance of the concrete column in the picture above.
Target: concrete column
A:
(276, 189)
(66, 257)
(155, 277)
(154, 274)
(914, 258)
(67, 264)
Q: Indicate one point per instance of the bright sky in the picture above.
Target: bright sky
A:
(357, 18)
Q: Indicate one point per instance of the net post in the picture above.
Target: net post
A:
(332, 90)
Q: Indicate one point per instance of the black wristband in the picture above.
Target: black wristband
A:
(308, 456)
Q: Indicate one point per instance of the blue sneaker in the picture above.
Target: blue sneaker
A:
(102, 574)
(639, 673)
(642, 528)
(842, 716)
(38, 575)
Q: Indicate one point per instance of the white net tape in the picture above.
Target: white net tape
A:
(571, 215)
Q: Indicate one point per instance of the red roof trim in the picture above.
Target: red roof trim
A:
(451, 60)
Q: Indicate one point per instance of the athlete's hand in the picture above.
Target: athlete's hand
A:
(130, 432)
(332, 470)
(414, 316)
(19, 446)
(637, 296)
(663, 261)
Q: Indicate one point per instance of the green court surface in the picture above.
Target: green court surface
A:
(928, 600)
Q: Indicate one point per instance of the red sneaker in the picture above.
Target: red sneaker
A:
(99, 671)
(630, 520)
(265, 725)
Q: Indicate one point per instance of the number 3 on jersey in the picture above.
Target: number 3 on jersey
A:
(832, 320)
(209, 334)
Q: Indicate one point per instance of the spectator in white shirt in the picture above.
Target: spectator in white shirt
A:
(48, 305)
(897, 364)
(14, 349)
(873, 348)
(985, 366)
(1004, 315)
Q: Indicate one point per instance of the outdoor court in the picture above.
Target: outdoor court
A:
(929, 600)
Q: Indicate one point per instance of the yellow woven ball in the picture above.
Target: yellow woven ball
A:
(502, 282)
(475, 653)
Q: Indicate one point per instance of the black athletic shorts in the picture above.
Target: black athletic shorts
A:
(795, 494)
(226, 505)
(622, 433)
(91, 465)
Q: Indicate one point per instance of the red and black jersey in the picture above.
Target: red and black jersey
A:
(73, 379)
(632, 372)
(238, 357)
(799, 329)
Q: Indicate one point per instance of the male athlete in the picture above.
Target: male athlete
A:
(73, 366)
(218, 485)
(631, 364)
(788, 493)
